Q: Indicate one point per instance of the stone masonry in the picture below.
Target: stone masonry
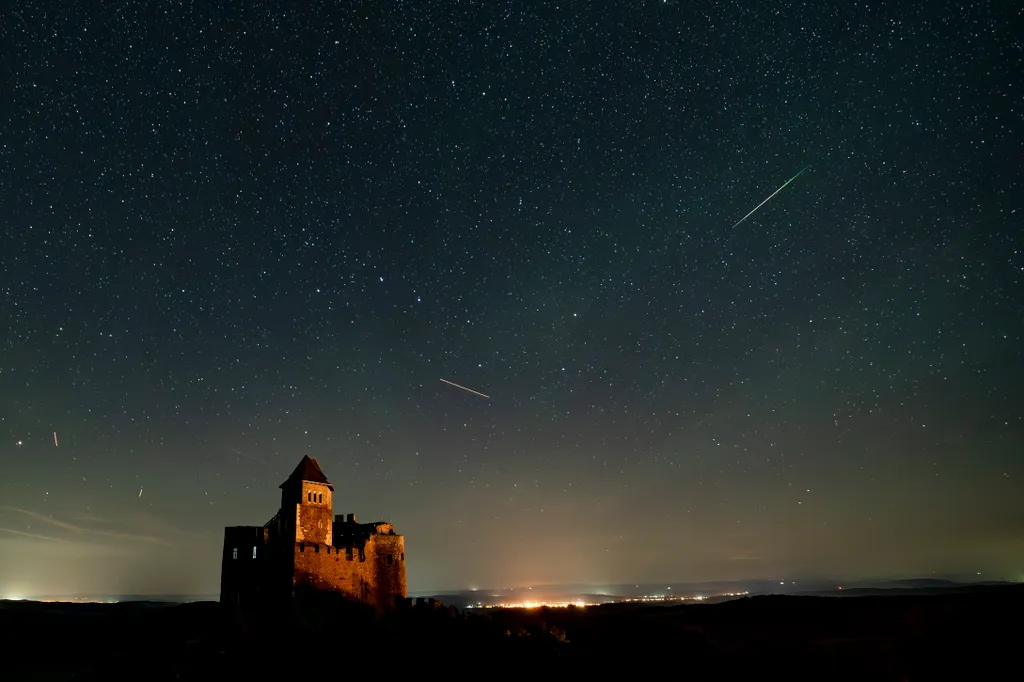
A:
(305, 545)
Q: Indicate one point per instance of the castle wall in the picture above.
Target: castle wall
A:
(387, 552)
(366, 574)
(313, 511)
(331, 568)
(297, 548)
(244, 563)
(313, 524)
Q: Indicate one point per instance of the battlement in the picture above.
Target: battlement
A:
(350, 528)
(351, 552)
(305, 544)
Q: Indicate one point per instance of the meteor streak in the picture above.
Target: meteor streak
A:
(770, 196)
(451, 383)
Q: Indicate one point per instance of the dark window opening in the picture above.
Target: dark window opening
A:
(403, 556)
(316, 548)
(321, 498)
(302, 547)
(391, 559)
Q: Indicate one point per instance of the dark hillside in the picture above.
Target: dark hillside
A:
(925, 636)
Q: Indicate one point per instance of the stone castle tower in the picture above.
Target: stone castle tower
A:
(305, 545)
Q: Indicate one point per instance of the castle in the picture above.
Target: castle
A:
(306, 546)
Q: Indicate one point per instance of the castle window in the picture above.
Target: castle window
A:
(403, 556)
(253, 552)
(309, 497)
(321, 498)
(234, 552)
(302, 546)
(391, 559)
(316, 548)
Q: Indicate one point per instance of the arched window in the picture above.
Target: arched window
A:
(321, 498)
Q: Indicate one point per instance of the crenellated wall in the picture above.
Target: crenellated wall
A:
(304, 544)
(334, 569)
(373, 573)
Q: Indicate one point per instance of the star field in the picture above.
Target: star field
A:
(236, 234)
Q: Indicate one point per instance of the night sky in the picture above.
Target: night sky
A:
(238, 233)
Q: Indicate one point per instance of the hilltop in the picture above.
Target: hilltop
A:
(922, 635)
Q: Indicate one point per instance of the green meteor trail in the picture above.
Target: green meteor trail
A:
(771, 195)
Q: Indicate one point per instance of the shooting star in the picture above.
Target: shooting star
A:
(450, 383)
(55, 444)
(769, 197)
(242, 454)
(140, 492)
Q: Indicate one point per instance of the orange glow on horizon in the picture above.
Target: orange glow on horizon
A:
(581, 604)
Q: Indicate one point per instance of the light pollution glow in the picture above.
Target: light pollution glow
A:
(582, 604)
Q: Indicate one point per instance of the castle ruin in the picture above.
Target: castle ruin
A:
(305, 546)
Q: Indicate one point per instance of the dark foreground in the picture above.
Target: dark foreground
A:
(969, 633)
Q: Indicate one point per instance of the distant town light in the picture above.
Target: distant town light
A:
(533, 605)
(583, 604)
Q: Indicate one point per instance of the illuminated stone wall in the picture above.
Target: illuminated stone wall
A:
(373, 573)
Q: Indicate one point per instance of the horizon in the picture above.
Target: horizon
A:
(816, 585)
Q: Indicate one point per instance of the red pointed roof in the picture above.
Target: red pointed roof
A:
(308, 470)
